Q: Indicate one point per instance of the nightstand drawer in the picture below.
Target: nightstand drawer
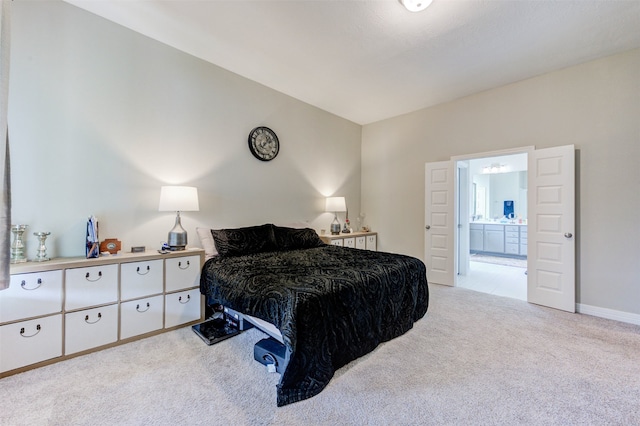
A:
(27, 342)
(182, 272)
(141, 316)
(139, 279)
(90, 328)
(91, 286)
(31, 295)
(182, 307)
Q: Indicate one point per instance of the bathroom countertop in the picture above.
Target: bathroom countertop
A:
(492, 222)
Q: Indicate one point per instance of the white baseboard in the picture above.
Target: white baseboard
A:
(608, 314)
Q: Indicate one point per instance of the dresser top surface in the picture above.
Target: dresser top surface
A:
(80, 262)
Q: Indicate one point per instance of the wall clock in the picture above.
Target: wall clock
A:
(263, 143)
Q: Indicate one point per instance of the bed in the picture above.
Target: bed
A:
(331, 305)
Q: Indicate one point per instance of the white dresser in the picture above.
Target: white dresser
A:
(359, 240)
(68, 306)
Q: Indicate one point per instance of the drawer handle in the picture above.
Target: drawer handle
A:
(138, 308)
(143, 273)
(38, 328)
(185, 302)
(86, 319)
(87, 277)
(186, 267)
(23, 284)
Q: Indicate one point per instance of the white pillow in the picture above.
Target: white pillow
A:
(206, 239)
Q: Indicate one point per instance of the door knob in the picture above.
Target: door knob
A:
(568, 234)
(427, 227)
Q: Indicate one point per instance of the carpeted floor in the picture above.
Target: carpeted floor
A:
(475, 359)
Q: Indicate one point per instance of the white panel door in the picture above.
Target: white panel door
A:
(439, 247)
(551, 228)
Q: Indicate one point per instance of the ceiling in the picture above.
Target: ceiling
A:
(368, 60)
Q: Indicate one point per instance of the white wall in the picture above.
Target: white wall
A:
(595, 106)
(100, 117)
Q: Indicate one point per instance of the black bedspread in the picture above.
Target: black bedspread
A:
(331, 304)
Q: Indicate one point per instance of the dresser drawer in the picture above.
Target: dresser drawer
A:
(182, 272)
(141, 316)
(139, 279)
(361, 243)
(29, 342)
(337, 242)
(182, 307)
(372, 242)
(349, 242)
(91, 286)
(31, 295)
(90, 328)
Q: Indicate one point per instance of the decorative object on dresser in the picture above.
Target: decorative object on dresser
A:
(42, 248)
(17, 246)
(92, 245)
(335, 205)
(111, 246)
(104, 302)
(263, 143)
(178, 198)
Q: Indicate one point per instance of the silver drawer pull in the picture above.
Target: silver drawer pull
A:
(138, 308)
(87, 277)
(143, 273)
(86, 319)
(38, 328)
(186, 267)
(186, 301)
(23, 284)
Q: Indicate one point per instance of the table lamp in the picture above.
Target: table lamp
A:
(178, 199)
(335, 205)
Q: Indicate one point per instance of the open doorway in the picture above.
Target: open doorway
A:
(550, 224)
(492, 220)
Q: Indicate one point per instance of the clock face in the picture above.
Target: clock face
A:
(263, 143)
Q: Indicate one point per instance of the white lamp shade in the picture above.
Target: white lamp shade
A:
(178, 199)
(336, 204)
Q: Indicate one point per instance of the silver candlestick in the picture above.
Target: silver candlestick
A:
(42, 249)
(17, 246)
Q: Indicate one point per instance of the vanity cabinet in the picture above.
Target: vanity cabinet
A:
(500, 239)
(476, 237)
(494, 238)
(67, 306)
(511, 240)
(358, 240)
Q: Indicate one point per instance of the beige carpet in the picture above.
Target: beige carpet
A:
(475, 359)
